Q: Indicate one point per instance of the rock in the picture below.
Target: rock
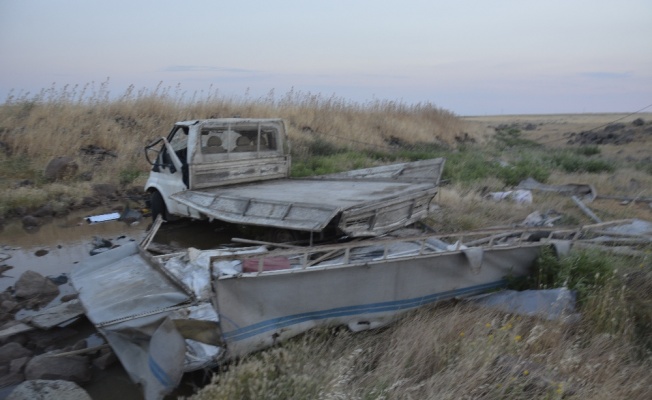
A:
(41, 252)
(45, 211)
(46, 389)
(32, 284)
(18, 365)
(62, 279)
(44, 339)
(7, 306)
(68, 368)
(60, 168)
(11, 379)
(82, 344)
(638, 122)
(13, 351)
(66, 298)
(86, 176)
(89, 202)
(24, 183)
(30, 222)
(105, 360)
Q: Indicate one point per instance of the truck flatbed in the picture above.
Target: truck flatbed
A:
(310, 205)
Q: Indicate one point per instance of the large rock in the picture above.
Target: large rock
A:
(68, 368)
(32, 284)
(46, 390)
(12, 351)
(60, 168)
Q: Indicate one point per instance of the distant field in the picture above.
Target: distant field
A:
(554, 129)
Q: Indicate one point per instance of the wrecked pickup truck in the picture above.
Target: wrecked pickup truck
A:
(238, 170)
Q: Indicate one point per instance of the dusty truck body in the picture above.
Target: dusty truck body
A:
(238, 171)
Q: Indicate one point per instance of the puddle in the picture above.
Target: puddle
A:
(56, 247)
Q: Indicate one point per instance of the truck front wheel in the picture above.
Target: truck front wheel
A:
(158, 205)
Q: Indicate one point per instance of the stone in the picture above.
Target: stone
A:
(48, 389)
(11, 379)
(18, 365)
(73, 368)
(60, 168)
(30, 221)
(32, 284)
(13, 351)
(105, 360)
(7, 306)
(44, 339)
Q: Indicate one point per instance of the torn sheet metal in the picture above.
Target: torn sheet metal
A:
(586, 192)
(364, 288)
(551, 304)
(94, 219)
(207, 299)
(518, 196)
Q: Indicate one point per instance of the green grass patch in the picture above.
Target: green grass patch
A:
(582, 270)
(571, 162)
(512, 137)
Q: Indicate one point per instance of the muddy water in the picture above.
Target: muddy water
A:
(56, 247)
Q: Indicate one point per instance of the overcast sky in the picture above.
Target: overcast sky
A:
(471, 57)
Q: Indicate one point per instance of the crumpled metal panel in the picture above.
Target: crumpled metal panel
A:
(307, 205)
(120, 284)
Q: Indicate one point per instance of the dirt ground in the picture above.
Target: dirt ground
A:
(621, 135)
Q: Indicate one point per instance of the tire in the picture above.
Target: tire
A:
(158, 205)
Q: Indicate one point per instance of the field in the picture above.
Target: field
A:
(452, 350)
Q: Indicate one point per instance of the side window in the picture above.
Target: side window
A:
(213, 141)
(267, 140)
(246, 141)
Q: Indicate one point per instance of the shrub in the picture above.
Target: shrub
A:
(571, 162)
(512, 137)
(523, 169)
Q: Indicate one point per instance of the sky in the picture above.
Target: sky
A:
(469, 57)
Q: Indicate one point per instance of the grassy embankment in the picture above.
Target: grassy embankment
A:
(448, 351)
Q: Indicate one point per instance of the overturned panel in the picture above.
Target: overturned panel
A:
(121, 283)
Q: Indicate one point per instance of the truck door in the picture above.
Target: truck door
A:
(178, 140)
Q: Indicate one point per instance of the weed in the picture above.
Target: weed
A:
(587, 151)
(512, 137)
(129, 175)
(571, 162)
(525, 168)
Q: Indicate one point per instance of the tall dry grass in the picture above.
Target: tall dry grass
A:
(65, 120)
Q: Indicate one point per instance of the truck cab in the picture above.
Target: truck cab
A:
(215, 152)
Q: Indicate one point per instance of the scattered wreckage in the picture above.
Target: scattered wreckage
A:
(168, 314)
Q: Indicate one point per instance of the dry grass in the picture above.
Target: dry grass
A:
(63, 121)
